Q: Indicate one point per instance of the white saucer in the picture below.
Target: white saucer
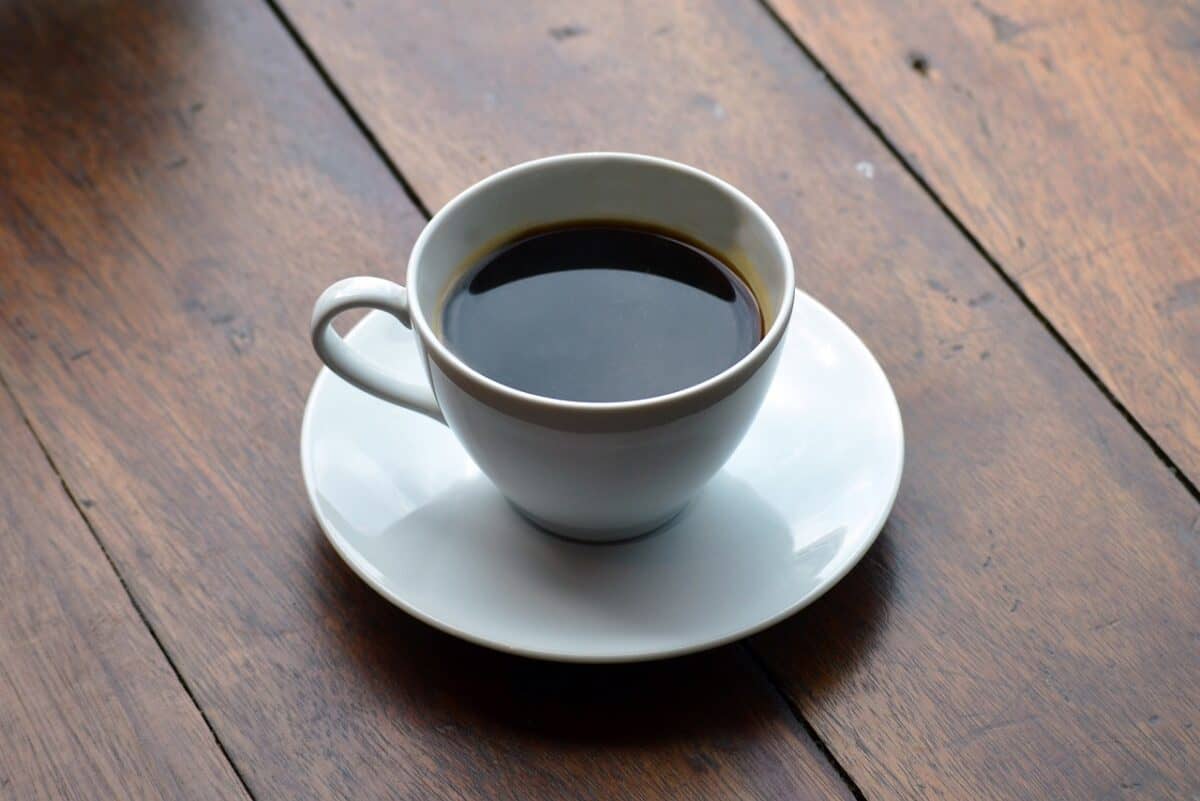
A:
(796, 507)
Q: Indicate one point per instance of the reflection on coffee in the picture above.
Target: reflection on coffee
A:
(601, 312)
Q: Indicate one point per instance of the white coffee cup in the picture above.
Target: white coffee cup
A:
(589, 471)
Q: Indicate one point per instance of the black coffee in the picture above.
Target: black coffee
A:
(600, 312)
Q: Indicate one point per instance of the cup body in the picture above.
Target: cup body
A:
(592, 471)
(599, 471)
(605, 482)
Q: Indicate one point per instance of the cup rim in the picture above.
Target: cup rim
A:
(692, 397)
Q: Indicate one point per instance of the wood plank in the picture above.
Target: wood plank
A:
(89, 706)
(1027, 626)
(178, 185)
(1066, 136)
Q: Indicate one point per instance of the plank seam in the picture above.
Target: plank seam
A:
(977, 245)
(821, 745)
(347, 107)
(137, 608)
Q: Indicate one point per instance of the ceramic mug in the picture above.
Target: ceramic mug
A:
(589, 471)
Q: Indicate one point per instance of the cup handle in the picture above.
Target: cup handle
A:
(374, 293)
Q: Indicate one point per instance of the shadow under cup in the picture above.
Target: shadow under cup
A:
(599, 471)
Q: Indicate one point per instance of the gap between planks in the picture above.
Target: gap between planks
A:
(347, 107)
(137, 608)
(918, 64)
(821, 745)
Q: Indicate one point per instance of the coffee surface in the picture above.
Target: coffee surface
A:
(600, 312)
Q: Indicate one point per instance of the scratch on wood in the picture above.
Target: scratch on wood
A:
(1061, 258)
(562, 32)
(241, 338)
(999, 724)
(983, 126)
(1004, 29)
(710, 104)
(1184, 295)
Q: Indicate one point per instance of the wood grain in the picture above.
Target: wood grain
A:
(89, 705)
(1066, 136)
(177, 186)
(1027, 627)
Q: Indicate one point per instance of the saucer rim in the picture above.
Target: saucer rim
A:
(576, 657)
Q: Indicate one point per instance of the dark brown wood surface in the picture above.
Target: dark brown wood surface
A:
(1066, 137)
(89, 705)
(177, 183)
(1029, 624)
(177, 188)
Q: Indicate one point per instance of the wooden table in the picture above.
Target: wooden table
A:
(1002, 197)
